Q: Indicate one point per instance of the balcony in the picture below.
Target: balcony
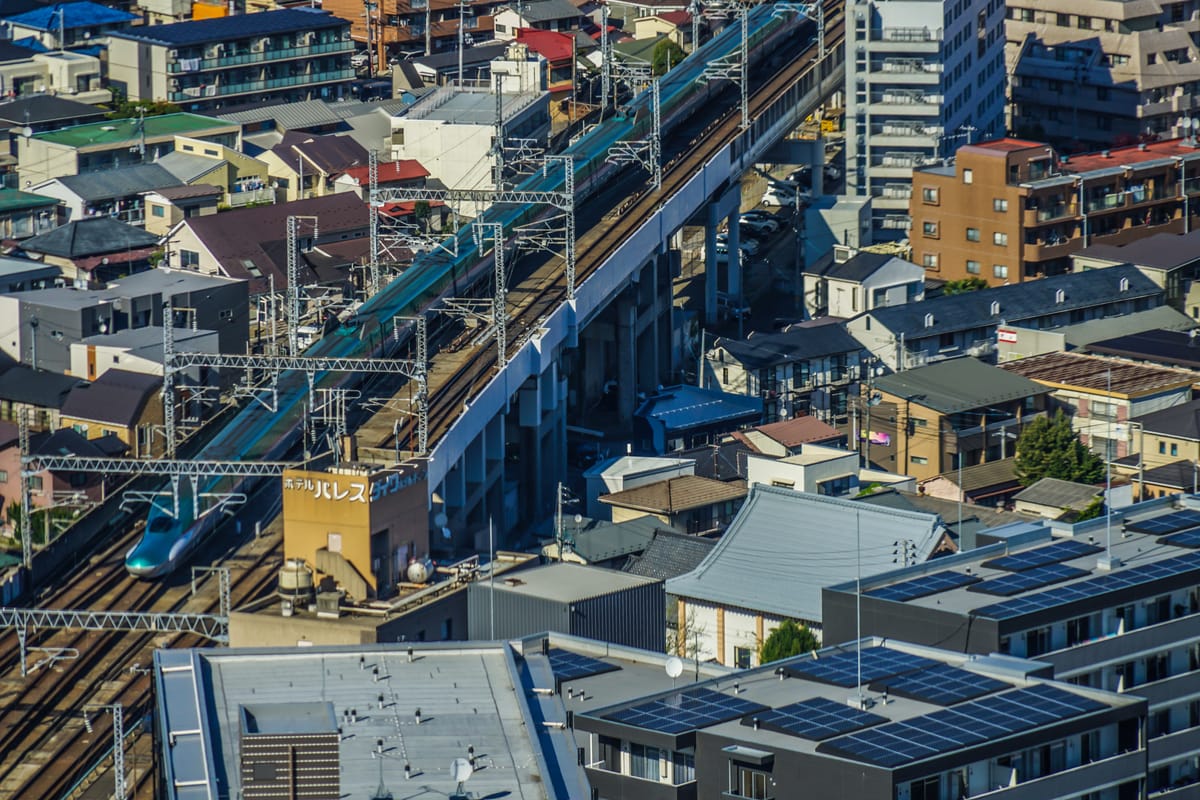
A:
(241, 59)
(1052, 213)
(1046, 251)
(1077, 780)
(909, 34)
(225, 89)
(1109, 202)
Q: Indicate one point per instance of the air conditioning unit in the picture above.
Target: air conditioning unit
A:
(174, 83)
(173, 53)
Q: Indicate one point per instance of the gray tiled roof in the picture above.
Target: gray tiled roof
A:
(123, 182)
(958, 384)
(1181, 422)
(670, 555)
(89, 237)
(117, 397)
(20, 383)
(1058, 493)
(769, 349)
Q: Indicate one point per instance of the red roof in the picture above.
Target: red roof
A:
(1007, 144)
(676, 18)
(406, 169)
(550, 45)
(1119, 156)
(405, 208)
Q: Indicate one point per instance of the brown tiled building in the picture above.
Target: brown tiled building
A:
(689, 503)
(428, 26)
(1010, 210)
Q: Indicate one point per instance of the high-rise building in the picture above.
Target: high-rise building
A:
(922, 78)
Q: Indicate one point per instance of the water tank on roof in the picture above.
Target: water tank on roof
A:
(296, 582)
(419, 570)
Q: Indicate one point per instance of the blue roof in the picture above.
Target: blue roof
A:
(682, 407)
(83, 14)
(242, 26)
(31, 43)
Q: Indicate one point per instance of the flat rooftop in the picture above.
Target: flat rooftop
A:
(463, 107)
(118, 131)
(565, 582)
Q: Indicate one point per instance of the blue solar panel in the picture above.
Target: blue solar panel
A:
(922, 586)
(943, 685)
(816, 719)
(568, 666)
(841, 669)
(1159, 526)
(1092, 588)
(1190, 539)
(964, 725)
(1040, 556)
(1013, 583)
(684, 711)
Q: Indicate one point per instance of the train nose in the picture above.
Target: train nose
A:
(141, 565)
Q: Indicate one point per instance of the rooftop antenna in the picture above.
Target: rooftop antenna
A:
(460, 770)
(381, 793)
(1108, 561)
(860, 701)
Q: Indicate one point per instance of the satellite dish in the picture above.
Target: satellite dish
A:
(674, 667)
(441, 519)
(578, 518)
(461, 770)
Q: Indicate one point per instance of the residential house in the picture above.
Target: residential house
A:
(674, 25)
(723, 459)
(25, 214)
(405, 173)
(542, 15)
(26, 72)
(992, 483)
(619, 473)
(399, 27)
(803, 370)
(560, 51)
(38, 112)
(167, 207)
(1170, 435)
(243, 180)
(138, 350)
(968, 524)
(305, 166)
(848, 282)
(679, 417)
(117, 193)
(119, 403)
(828, 471)
(251, 243)
(1178, 477)
(441, 68)
(688, 503)
(961, 412)
(1174, 348)
(1169, 259)
(91, 252)
(950, 326)
(1103, 395)
(66, 26)
(264, 124)
(598, 543)
(23, 275)
(114, 144)
(668, 555)
(1135, 332)
(290, 54)
(1010, 210)
(1052, 498)
(37, 392)
(779, 551)
(787, 437)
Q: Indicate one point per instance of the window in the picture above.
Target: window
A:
(1083, 23)
(35, 483)
(973, 267)
(1078, 630)
(610, 754)
(158, 211)
(1151, 58)
(742, 657)
(929, 228)
(999, 204)
(3, 476)
(1000, 271)
(1174, 449)
(968, 176)
(930, 260)
(1162, 448)
(929, 195)
(749, 783)
(643, 761)
(1037, 641)
(834, 487)
(972, 234)
(189, 258)
(685, 767)
(919, 460)
(926, 788)
(1102, 410)
(1000, 239)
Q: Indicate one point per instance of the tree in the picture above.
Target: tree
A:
(665, 55)
(964, 285)
(1049, 448)
(789, 639)
(123, 109)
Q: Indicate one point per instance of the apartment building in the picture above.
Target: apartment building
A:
(1012, 209)
(1113, 618)
(921, 77)
(417, 27)
(1093, 73)
(287, 55)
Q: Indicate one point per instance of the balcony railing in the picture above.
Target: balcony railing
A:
(909, 34)
(223, 89)
(240, 59)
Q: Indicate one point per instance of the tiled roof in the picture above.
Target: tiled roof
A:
(90, 237)
(799, 430)
(117, 397)
(404, 169)
(66, 441)
(1097, 374)
(332, 154)
(1173, 348)
(36, 387)
(1180, 422)
(42, 108)
(82, 14)
(991, 474)
(683, 407)
(797, 344)
(16, 200)
(547, 10)
(1176, 475)
(958, 384)
(115, 183)
(670, 555)
(241, 26)
(190, 192)
(676, 494)
(1058, 493)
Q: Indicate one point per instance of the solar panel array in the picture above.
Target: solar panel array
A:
(922, 586)
(943, 685)
(568, 666)
(1015, 582)
(976, 722)
(817, 719)
(841, 669)
(1092, 588)
(1190, 539)
(1159, 526)
(684, 711)
(1040, 556)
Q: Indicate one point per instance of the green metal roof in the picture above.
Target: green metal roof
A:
(117, 131)
(958, 384)
(16, 200)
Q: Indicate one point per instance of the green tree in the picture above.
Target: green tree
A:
(964, 285)
(123, 109)
(421, 211)
(665, 55)
(1049, 448)
(789, 639)
(1092, 510)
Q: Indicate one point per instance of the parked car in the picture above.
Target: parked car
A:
(748, 246)
(359, 59)
(781, 196)
(758, 227)
(758, 215)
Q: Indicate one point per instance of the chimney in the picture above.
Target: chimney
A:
(1106, 154)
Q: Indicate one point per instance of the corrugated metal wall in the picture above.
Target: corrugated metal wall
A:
(516, 614)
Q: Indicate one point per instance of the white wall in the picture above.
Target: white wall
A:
(803, 477)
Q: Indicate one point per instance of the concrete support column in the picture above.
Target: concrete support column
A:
(710, 264)
(735, 258)
(626, 324)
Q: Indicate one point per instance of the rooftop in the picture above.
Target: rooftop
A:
(1057, 493)
(958, 384)
(192, 192)
(15, 200)
(81, 14)
(241, 26)
(783, 546)
(547, 10)
(117, 183)
(39, 109)
(117, 397)
(331, 154)
(1180, 422)
(990, 474)
(1104, 376)
(566, 583)
(88, 237)
(795, 344)
(790, 433)
(1005, 145)
(670, 554)
(1085, 335)
(119, 131)
(403, 169)
(1164, 251)
(682, 407)
(40, 388)
(1173, 348)
(1133, 154)
(463, 106)
(676, 495)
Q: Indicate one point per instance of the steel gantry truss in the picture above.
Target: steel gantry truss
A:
(120, 788)
(494, 312)
(735, 66)
(646, 152)
(293, 278)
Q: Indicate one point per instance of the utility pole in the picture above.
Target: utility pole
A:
(26, 497)
(462, 23)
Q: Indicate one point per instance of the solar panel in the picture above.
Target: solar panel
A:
(1029, 579)
(1040, 556)
(841, 669)
(1190, 539)
(568, 666)
(1092, 588)
(962, 726)
(815, 719)
(1159, 526)
(943, 685)
(922, 586)
(680, 712)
